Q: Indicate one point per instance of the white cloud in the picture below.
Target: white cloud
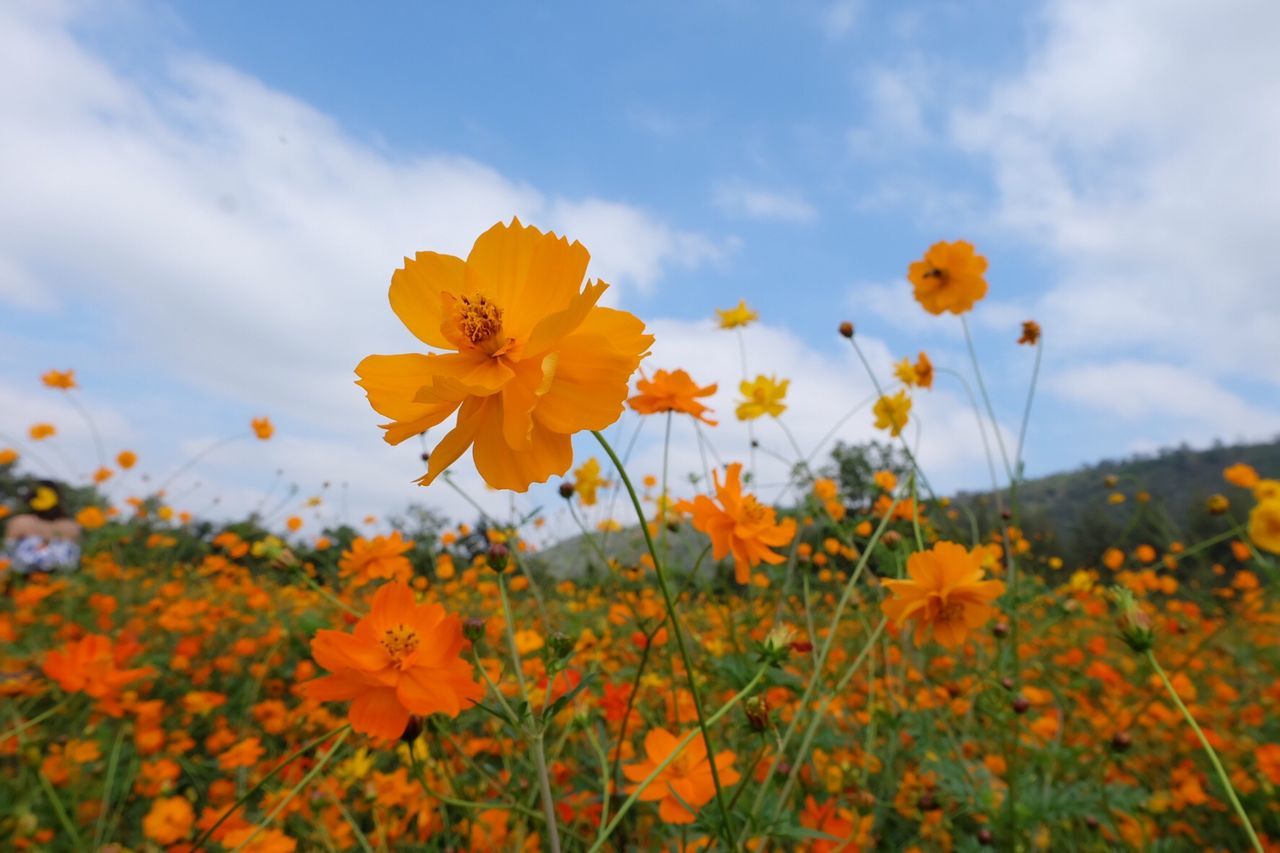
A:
(840, 17)
(1186, 404)
(739, 199)
(1138, 147)
(240, 241)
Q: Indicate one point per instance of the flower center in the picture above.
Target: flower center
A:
(399, 642)
(754, 512)
(952, 611)
(940, 275)
(478, 320)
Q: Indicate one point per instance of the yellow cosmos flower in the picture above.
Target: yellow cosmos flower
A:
(1264, 525)
(530, 358)
(763, 396)
(915, 375)
(587, 480)
(892, 411)
(950, 277)
(733, 318)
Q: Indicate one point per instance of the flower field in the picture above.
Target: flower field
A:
(888, 669)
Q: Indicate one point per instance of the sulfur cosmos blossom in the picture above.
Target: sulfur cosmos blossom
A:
(8, 456)
(892, 412)
(587, 481)
(63, 380)
(685, 785)
(126, 459)
(402, 658)
(93, 665)
(39, 432)
(950, 277)
(380, 558)
(735, 318)
(915, 375)
(1242, 475)
(1264, 525)
(945, 593)
(739, 524)
(529, 357)
(673, 391)
(762, 396)
(262, 428)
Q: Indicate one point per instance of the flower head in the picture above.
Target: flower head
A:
(402, 658)
(93, 665)
(734, 318)
(950, 277)
(262, 428)
(1030, 333)
(739, 524)
(945, 593)
(126, 459)
(686, 784)
(381, 557)
(587, 480)
(762, 396)
(39, 432)
(529, 357)
(169, 820)
(63, 380)
(919, 374)
(8, 456)
(1242, 475)
(1264, 525)
(892, 412)
(673, 391)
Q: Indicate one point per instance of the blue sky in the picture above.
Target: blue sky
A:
(203, 204)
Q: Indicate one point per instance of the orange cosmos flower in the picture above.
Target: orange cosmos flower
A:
(8, 456)
(91, 518)
(854, 833)
(39, 432)
(739, 524)
(530, 357)
(102, 475)
(685, 783)
(63, 380)
(1242, 475)
(169, 820)
(381, 557)
(1030, 333)
(671, 392)
(127, 459)
(92, 665)
(262, 428)
(945, 592)
(918, 374)
(949, 278)
(402, 658)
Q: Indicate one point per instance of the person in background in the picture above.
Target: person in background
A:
(42, 538)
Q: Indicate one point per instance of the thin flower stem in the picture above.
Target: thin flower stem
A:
(675, 753)
(986, 398)
(112, 764)
(244, 798)
(535, 736)
(328, 596)
(351, 822)
(17, 730)
(186, 466)
(293, 792)
(660, 571)
(93, 428)
(1026, 411)
(1209, 751)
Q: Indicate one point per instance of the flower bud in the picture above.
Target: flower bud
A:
(559, 646)
(846, 329)
(412, 729)
(1000, 630)
(1121, 741)
(498, 556)
(473, 629)
(566, 489)
(1021, 704)
(757, 710)
(1135, 625)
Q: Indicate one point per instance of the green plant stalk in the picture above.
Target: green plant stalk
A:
(112, 764)
(664, 587)
(535, 736)
(244, 798)
(675, 753)
(1209, 751)
(293, 792)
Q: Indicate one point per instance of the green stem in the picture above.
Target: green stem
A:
(244, 798)
(293, 792)
(1208, 750)
(675, 753)
(660, 571)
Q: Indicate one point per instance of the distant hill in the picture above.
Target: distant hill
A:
(1067, 513)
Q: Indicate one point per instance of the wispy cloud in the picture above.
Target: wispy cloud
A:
(752, 202)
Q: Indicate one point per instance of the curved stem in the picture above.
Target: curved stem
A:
(660, 571)
(1208, 750)
(293, 792)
